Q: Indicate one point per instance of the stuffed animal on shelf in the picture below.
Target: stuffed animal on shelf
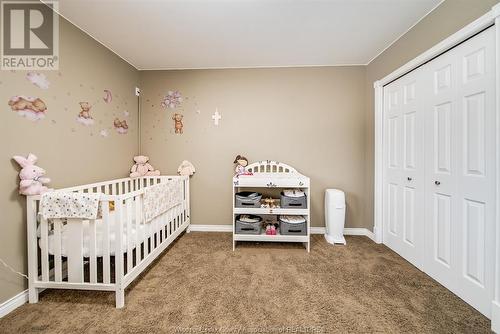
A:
(32, 180)
(270, 203)
(142, 167)
(271, 230)
(270, 227)
(186, 168)
(241, 164)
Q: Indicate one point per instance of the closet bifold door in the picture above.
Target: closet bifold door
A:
(460, 169)
(404, 168)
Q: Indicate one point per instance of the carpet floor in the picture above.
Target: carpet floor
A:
(200, 286)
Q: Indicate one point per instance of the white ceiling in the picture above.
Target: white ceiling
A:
(179, 34)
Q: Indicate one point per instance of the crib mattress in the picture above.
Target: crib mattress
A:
(141, 233)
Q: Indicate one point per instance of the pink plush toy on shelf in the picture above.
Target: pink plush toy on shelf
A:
(32, 180)
(142, 167)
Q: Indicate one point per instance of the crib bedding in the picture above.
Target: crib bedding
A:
(137, 234)
(58, 204)
(161, 197)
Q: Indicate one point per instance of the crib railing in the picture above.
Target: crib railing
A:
(98, 255)
(120, 186)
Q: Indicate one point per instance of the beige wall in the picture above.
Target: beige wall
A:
(70, 152)
(448, 18)
(323, 108)
(321, 102)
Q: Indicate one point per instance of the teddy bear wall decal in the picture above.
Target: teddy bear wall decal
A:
(33, 108)
(120, 126)
(84, 116)
(178, 123)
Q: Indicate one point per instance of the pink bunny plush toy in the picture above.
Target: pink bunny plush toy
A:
(142, 167)
(32, 180)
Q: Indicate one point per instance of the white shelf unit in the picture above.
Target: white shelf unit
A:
(272, 175)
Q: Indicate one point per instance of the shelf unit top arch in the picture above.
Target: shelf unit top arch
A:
(271, 167)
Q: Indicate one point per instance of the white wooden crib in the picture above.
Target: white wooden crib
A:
(81, 254)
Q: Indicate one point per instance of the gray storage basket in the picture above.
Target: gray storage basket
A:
(248, 228)
(292, 228)
(293, 202)
(242, 200)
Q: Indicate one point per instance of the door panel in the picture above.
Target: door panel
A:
(393, 209)
(409, 142)
(477, 179)
(442, 135)
(460, 174)
(474, 141)
(440, 169)
(394, 141)
(442, 229)
(409, 216)
(393, 164)
(442, 78)
(440, 172)
(404, 188)
(475, 226)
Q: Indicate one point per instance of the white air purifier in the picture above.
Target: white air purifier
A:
(335, 216)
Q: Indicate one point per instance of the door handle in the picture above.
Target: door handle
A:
(409, 178)
(437, 183)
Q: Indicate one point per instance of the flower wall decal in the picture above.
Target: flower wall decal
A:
(172, 100)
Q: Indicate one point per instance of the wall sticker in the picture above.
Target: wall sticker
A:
(108, 97)
(33, 108)
(38, 79)
(216, 117)
(104, 133)
(113, 114)
(172, 100)
(120, 126)
(84, 116)
(178, 123)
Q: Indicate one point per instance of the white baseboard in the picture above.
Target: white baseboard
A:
(495, 317)
(210, 228)
(314, 230)
(347, 231)
(359, 231)
(317, 230)
(10, 305)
